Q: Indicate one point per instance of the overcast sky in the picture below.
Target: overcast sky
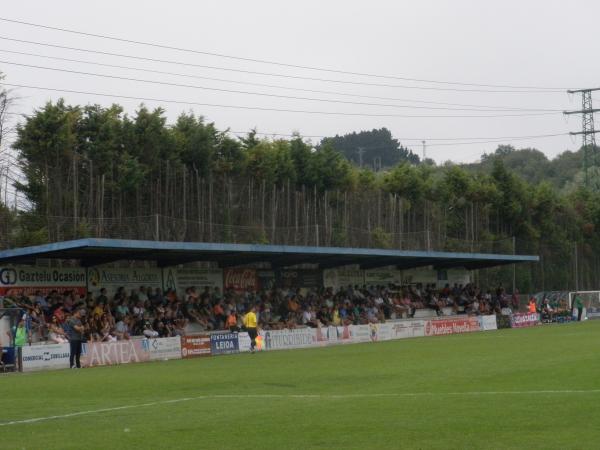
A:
(535, 43)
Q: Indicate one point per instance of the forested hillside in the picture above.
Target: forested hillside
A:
(94, 171)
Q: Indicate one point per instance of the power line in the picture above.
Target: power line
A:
(258, 108)
(262, 94)
(296, 77)
(116, 66)
(275, 63)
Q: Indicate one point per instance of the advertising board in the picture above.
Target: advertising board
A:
(27, 280)
(281, 339)
(438, 327)
(337, 278)
(488, 323)
(403, 329)
(109, 353)
(382, 277)
(299, 278)
(181, 279)
(45, 357)
(129, 278)
(163, 348)
(240, 279)
(333, 335)
(522, 320)
(195, 345)
(224, 343)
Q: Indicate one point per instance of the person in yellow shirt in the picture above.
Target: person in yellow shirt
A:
(251, 325)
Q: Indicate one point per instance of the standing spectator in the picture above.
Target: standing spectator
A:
(579, 306)
(20, 339)
(75, 333)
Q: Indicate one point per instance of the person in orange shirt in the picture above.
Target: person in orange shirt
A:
(532, 305)
(231, 322)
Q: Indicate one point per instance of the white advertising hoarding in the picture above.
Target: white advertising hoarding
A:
(45, 357)
(164, 348)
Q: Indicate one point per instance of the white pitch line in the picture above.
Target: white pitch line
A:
(298, 396)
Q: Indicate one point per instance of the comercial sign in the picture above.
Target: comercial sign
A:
(131, 279)
(337, 278)
(382, 277)
(120, 352)
(163, 348)
(299, 278)
(297, 338)
(361, 333)
(521, 320)
(195, 345)
(27, 280)
(488, 323)
(333, 335)
(224, 343)
(241, 279)
(419, 275)
(403, 329)
(45, 357)
(181, 279)
(439, 327)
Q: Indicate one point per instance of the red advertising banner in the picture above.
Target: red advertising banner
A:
(240, 279)
(121, 352)
(522, 320)
(195, 345)
(451, 326)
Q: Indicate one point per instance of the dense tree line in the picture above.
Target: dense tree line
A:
(96, 171)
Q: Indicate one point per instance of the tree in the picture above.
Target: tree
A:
(372, 148)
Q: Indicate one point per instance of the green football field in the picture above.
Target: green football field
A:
(523, 388)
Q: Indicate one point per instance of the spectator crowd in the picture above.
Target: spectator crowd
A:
(154, 313)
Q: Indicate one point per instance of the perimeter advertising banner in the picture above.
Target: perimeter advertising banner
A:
(438, 327)
(181, 279)
(224, 343)
(27, 280)
(488, 323)
(281, 339)
(128, 278)
(109, 353)
(333, 335)
(403, 329)
(163, 348)
(45, 357)
(522, 320)
(195, 345)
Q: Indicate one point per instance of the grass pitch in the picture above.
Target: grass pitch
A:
(528, 388)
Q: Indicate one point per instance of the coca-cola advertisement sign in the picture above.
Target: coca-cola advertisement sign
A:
(241, 279)
(451, 326)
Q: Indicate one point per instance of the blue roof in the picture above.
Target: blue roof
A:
(99, 251)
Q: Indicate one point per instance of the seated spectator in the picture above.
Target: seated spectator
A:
(56, 334)
(122, 329)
